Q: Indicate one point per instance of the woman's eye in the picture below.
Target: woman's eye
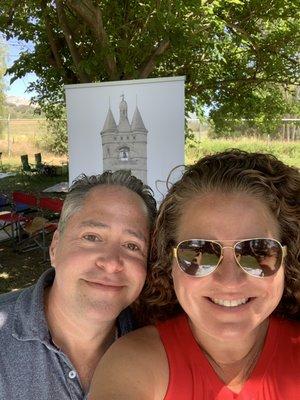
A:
(91, 238)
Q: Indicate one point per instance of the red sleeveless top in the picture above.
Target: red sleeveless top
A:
(276, 375)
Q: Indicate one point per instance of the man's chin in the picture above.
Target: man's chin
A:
(101, 310)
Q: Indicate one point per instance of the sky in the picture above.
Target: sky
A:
(18, 88)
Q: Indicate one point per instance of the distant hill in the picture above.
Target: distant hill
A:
(17, 101)
(20, 108)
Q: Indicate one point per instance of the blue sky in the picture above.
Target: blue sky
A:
(18, 88)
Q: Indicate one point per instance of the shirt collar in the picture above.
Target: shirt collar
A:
(29, 316)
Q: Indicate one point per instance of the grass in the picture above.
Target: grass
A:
(29, 183)
(287, 152)
(13, 163)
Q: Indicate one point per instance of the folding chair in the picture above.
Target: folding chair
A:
(5, 207)
(26, 167)
(4, 201)
(22, 203)
(25, 202)
(38, 161)
(41, 226)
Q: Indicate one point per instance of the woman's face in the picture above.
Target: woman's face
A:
(227, 218)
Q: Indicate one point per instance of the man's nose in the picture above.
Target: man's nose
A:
(229, 273)
(110, 259)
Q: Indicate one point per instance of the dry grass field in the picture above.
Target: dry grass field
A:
(25, 136)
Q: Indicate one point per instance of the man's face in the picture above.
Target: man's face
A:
(100, 258)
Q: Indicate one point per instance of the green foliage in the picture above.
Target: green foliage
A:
(289, 153)
(261, 110)
(2, 71)
(236, 55)
(56, 138)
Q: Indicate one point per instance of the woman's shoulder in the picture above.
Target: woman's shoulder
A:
(138, 356)
(142, 338)
(149, 337)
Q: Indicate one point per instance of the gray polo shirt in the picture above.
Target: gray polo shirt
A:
(31, 367)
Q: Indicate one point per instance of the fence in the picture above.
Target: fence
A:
(290, 129)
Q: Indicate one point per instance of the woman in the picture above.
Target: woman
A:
(222, 290)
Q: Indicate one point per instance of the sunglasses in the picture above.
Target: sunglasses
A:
(257, 257)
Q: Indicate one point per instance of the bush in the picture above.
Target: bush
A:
(56, 138)
(288, 152)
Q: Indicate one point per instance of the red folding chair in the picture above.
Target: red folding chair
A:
(50, 204)
(41, 226)
(28, 201)
(22, 203)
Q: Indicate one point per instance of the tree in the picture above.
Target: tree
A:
(232, 52)
(2, 72)
(260, 112)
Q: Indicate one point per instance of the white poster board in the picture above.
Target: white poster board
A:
(146, 115)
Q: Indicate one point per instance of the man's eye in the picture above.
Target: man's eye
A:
(132, 246)
(91, 238)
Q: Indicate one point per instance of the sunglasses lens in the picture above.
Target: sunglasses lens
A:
(198, 257)
(259, 257)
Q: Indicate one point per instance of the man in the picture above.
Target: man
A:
(53, 334)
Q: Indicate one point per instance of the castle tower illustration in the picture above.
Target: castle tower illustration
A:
(124, 145)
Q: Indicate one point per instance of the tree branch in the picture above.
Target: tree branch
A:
(11, 14)
(237, 30)
(93, 18)
(149, 64)
(82, 76)
(52, 39)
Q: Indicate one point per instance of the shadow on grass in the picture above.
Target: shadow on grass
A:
(30, 183)
(19, 270)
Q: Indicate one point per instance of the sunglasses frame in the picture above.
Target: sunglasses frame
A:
(175, 251)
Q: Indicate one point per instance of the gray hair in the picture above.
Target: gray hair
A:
(83, 184)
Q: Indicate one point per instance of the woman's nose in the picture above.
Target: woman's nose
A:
(229, 273)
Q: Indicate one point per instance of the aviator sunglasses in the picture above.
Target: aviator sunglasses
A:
(257, 257)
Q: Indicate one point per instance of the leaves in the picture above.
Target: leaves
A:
(2, 71)
(235, 54)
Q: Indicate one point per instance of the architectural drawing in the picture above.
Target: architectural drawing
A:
(124, 146)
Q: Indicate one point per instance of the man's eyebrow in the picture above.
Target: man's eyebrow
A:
(93, 224)
(97, 224)
(138, 234)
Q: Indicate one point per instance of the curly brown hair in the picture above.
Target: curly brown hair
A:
(260, 175)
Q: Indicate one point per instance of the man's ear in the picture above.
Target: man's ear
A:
(53, 247)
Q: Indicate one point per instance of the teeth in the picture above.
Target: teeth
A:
(230, 303)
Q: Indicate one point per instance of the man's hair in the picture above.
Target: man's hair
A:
(83, 184)
(261, 175)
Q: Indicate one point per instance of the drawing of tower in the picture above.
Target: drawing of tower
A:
(124, 145)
